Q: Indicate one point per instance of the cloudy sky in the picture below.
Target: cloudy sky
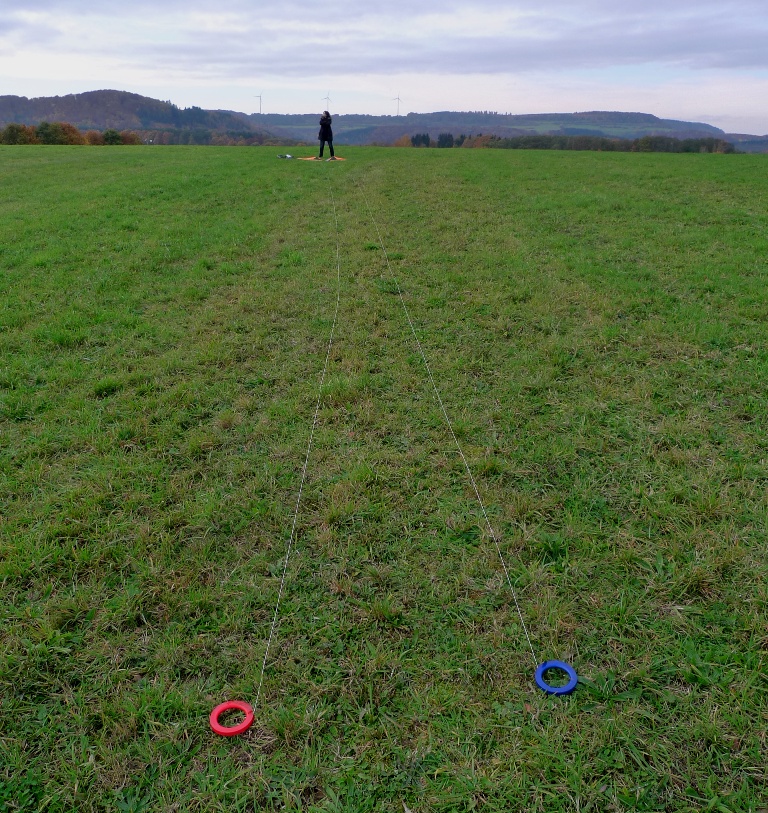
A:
(698, 60)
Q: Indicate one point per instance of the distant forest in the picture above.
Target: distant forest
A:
(117, 117)
(645, 144)
(162, 122)
(63, 133)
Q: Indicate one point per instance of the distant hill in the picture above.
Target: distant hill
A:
(359, 129)
(116, 109)
(120, 110)
(748, 143)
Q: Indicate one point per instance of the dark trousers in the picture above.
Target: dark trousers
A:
(322, 146)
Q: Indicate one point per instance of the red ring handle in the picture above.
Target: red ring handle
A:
(233, 730)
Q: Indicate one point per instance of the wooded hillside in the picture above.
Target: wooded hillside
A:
(163, 122)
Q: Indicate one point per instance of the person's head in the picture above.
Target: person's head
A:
(326, 114)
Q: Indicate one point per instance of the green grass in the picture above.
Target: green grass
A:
(596, 327)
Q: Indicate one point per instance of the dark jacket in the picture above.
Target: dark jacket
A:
(325, 134)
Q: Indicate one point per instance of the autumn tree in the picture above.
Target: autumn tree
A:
(479, 140)
(129, 137)
(71, 134)
(18, 134)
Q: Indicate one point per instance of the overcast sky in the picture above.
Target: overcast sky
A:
(698, 60)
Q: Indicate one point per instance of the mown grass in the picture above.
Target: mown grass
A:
(596, 326)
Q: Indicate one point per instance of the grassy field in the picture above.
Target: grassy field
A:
(596, 326)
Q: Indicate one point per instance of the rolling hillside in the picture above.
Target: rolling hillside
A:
(103, 109)
(358, 129)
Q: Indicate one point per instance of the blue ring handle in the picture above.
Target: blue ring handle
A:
(563, 667)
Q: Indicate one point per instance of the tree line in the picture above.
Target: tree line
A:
(65, 133)
(61, 132)
(425, 140)
(646, 143)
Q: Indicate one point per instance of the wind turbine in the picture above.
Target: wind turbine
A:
(398, 100)
(259, 98)
(327, 99)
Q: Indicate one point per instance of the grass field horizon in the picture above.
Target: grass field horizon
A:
(595, 324)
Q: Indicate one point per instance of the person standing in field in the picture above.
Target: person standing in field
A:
(325, 134)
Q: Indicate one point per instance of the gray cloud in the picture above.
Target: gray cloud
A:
(18, 30)
(721, 40)
(293, 11)
(352, 8)
(303, 38)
